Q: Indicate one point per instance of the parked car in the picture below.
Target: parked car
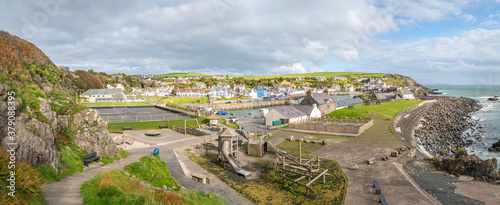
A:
(221, 113)
(228, 102)
(232, 119)
(239, 101)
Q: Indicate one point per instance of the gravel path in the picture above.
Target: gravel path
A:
(441, 187)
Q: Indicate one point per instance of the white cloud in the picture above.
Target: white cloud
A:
(472, 53)
(217, 36)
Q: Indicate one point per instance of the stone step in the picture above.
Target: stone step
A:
(64, 200)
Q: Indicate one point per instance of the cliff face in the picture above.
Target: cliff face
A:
(44, 96)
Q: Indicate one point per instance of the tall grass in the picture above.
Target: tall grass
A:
(28, 182)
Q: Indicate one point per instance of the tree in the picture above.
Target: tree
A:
(87, 80)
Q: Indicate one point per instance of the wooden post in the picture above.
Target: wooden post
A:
(283, 160)
(184, 126)
(300, 151)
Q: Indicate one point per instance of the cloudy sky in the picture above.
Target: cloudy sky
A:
(433, 41)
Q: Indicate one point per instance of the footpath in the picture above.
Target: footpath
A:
(67, 191)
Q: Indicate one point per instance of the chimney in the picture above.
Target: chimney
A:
(309, 93)
(325, 91)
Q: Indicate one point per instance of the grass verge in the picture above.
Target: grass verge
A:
(386, 109)
(152, 125)
(128, 186)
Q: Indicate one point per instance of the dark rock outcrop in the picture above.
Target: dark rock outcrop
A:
(495, 147)
(470, 165)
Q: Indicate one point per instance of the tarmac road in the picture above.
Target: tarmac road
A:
(405, 122)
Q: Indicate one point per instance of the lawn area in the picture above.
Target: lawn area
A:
(127, 186)
(185, 100)
(152, 125)
(115, 104)
(230, 124)
(268, 188)
(386, 109)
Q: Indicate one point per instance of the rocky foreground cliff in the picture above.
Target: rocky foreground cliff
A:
(44, 107)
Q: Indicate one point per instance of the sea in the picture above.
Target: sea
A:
(488, 116)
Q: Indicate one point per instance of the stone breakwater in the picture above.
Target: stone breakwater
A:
(448, 125)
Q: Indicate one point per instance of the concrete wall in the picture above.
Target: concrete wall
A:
(334, 127)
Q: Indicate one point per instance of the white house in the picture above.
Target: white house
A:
(406, 94)
(253, 94)
(311, 111)
(103, 95)
(349, 88)
(115, 86)
(285, 115)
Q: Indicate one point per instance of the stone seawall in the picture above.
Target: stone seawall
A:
(444, 124)
(252, 105)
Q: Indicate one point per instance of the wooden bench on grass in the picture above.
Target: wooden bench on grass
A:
(382, 199)
(89, 158)
(377, 187)
(127, 128)
(163, 126)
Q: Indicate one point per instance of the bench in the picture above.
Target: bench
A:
(199, 177)
(377, 187)
(371, 160)
(89, 158)
(127, 128)
(163, 126)
(382, 199)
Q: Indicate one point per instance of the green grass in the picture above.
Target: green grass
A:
(185, 100)
(230, 124)
(386, 109)
(152, 125)
(153, 170)
(117, 187)
(115, 104)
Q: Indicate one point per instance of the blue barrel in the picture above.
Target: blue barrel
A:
(156, 152)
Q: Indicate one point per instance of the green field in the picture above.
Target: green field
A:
(152, 125)
(115, 104)
(386, 109)
(185, 100)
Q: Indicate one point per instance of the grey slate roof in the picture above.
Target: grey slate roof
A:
(406, 91)
(307, 109)
(289, 112)
(102, 92)
(322, 98)
(347, 102)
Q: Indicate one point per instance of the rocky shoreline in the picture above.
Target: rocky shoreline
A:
(448, 125)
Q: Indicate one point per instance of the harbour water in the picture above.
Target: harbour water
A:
(488, 116)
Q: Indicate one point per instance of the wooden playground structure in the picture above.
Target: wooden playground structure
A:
(308, 169)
